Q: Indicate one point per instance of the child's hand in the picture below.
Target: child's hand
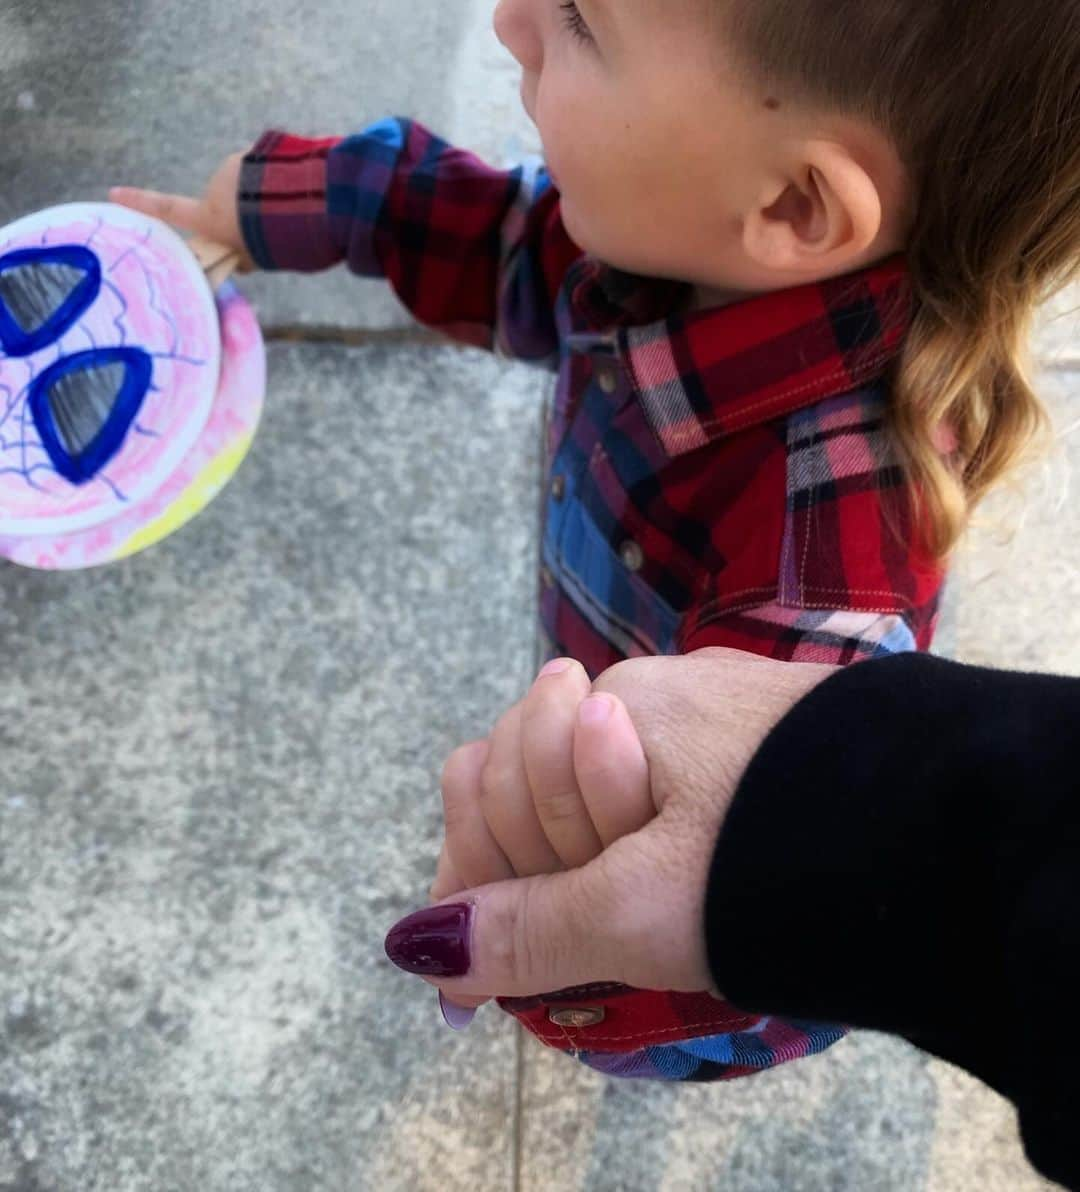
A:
(561, 777)
(546, 791)
(214, 216)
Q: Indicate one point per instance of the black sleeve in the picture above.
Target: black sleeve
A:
(904, 854)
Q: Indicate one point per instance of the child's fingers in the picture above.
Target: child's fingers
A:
(446, 880)
(507, 802)
(472, 851)
(548, 716)
(611, 768)
(178, 210)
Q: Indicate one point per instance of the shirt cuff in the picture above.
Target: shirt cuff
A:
(282, 203)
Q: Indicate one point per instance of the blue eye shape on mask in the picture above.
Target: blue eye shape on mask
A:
(43, 294)
(84, 405)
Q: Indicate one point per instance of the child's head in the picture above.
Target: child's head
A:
(674, 161)
(748, 145)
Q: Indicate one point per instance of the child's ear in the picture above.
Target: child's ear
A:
(817, 221)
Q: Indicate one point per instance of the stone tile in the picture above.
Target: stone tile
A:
(220, 789)
(859, 1118)
(1017, 582)
(1057, 331)
(975, 1139)
(154, 93)
(871, 1115)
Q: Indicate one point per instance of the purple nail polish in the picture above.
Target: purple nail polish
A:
(432, 942)
(456, 1017)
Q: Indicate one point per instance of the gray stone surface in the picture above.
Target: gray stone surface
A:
(870, 1115)
(155, 93)
(860, 1118)
(221, 757)
(220, 789)
(1018, 580)
(1057, 335)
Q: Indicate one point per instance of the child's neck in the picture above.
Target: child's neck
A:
(708, 297)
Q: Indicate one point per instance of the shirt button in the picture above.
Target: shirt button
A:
(546, 578)
(558, 487)
(632, 555)
(606, 378)
(578, 1018)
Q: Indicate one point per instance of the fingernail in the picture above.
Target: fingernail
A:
(556, 666)
(456, 1017)
(432, 942)
(595, 710)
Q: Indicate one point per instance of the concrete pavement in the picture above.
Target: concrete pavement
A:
(221, 757)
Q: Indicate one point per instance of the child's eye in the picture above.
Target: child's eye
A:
(575, 22)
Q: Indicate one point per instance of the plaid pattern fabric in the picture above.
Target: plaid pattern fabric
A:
(718, 477)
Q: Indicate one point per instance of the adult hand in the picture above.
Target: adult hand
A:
(634, 913)
(561, 776)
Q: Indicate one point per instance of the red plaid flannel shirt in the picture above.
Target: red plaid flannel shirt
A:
(718, 477)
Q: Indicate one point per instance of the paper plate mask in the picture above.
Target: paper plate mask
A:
(129, 391)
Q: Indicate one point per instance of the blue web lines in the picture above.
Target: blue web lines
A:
(76, 408)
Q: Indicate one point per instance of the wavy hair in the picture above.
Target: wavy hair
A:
(982, 101)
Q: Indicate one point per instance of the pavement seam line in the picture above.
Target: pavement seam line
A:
(351, 336)
(517, 1124)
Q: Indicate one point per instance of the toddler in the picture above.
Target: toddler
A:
(782, 256)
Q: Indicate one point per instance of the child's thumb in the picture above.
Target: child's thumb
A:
(515, 938)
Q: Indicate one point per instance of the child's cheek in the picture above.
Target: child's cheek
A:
(580, 161)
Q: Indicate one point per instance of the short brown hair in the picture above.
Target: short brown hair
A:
(982, 100)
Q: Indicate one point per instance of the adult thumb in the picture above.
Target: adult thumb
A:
(533, 935)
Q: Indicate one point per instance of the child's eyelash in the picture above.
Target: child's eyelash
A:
(575, 22)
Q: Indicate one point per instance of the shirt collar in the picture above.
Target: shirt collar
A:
(701, 375)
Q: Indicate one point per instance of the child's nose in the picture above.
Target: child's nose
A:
(518, 32)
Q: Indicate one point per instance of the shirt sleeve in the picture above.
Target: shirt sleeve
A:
(912, 829)
(836, 637)
(474, 252)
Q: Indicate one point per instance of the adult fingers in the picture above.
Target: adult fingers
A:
(457, 1014)
(548, 716)
(632, 915)
(473, 854)
(612, 771)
